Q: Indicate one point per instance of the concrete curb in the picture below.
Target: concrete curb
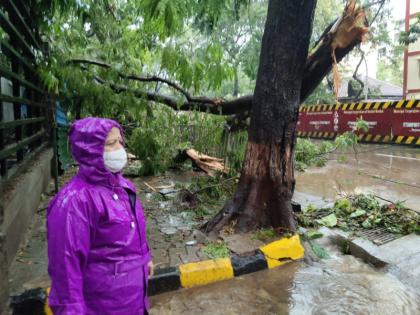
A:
(277, 253)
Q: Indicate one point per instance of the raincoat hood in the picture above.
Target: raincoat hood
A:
(87, 140)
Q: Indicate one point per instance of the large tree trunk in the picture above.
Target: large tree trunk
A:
(265, 189)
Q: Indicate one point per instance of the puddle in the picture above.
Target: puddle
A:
(169, 230)
(171, 224)
(389, 172)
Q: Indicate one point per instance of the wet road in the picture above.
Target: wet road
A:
(391, 172)
(340, 285)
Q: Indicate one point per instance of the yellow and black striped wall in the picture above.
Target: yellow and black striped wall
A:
(394, 111)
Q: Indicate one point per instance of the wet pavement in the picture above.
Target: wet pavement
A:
(342, 284)
(171, 225)
(390, 172)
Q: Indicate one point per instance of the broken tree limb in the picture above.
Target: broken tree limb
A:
(350, 28)
(149, 186)
(337, 41)
(153, 78)
(208, 164)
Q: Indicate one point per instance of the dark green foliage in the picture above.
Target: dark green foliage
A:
(146, 146)
(64, 153)
(412, 35)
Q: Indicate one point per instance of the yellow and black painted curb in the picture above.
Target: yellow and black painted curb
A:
(317, 134)
(277, 253)
(402, 104)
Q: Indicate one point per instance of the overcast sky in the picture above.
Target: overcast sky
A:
(398, 9)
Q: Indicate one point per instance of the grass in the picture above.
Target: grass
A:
(264, 234)
(216, 250)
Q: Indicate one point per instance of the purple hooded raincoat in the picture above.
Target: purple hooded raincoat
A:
(97, 245)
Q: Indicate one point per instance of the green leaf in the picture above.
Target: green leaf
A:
(309, 208)
(216, 250)
(314, 235)
(366, 224)
(319, 251)
(361, 125)
(343, 204)
(329, 220)
(358, 213)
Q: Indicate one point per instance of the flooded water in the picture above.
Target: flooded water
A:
(345, 285)
(391, 172)
(342, 284)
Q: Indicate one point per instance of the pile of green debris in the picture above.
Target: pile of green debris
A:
(362, 211)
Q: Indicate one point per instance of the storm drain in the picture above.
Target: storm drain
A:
(378, 236)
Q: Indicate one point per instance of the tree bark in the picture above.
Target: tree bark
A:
(266, 185)
(235, 81)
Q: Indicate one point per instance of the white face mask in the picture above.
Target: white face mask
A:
(115, 160)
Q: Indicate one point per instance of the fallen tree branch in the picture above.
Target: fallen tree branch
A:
(149, 186)
(224, 108)
(208, 164)
(336, 42)
(153, 78)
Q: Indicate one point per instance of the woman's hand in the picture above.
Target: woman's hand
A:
(150, 269)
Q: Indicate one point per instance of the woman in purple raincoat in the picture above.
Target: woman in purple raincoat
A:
(99, 260)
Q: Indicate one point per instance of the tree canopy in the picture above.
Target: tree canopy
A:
(110, 56)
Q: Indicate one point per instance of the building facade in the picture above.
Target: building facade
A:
(412, 55)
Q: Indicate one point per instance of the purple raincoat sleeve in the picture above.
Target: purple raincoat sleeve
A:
(68, 246)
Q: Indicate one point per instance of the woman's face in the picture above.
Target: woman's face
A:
(114, 140)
